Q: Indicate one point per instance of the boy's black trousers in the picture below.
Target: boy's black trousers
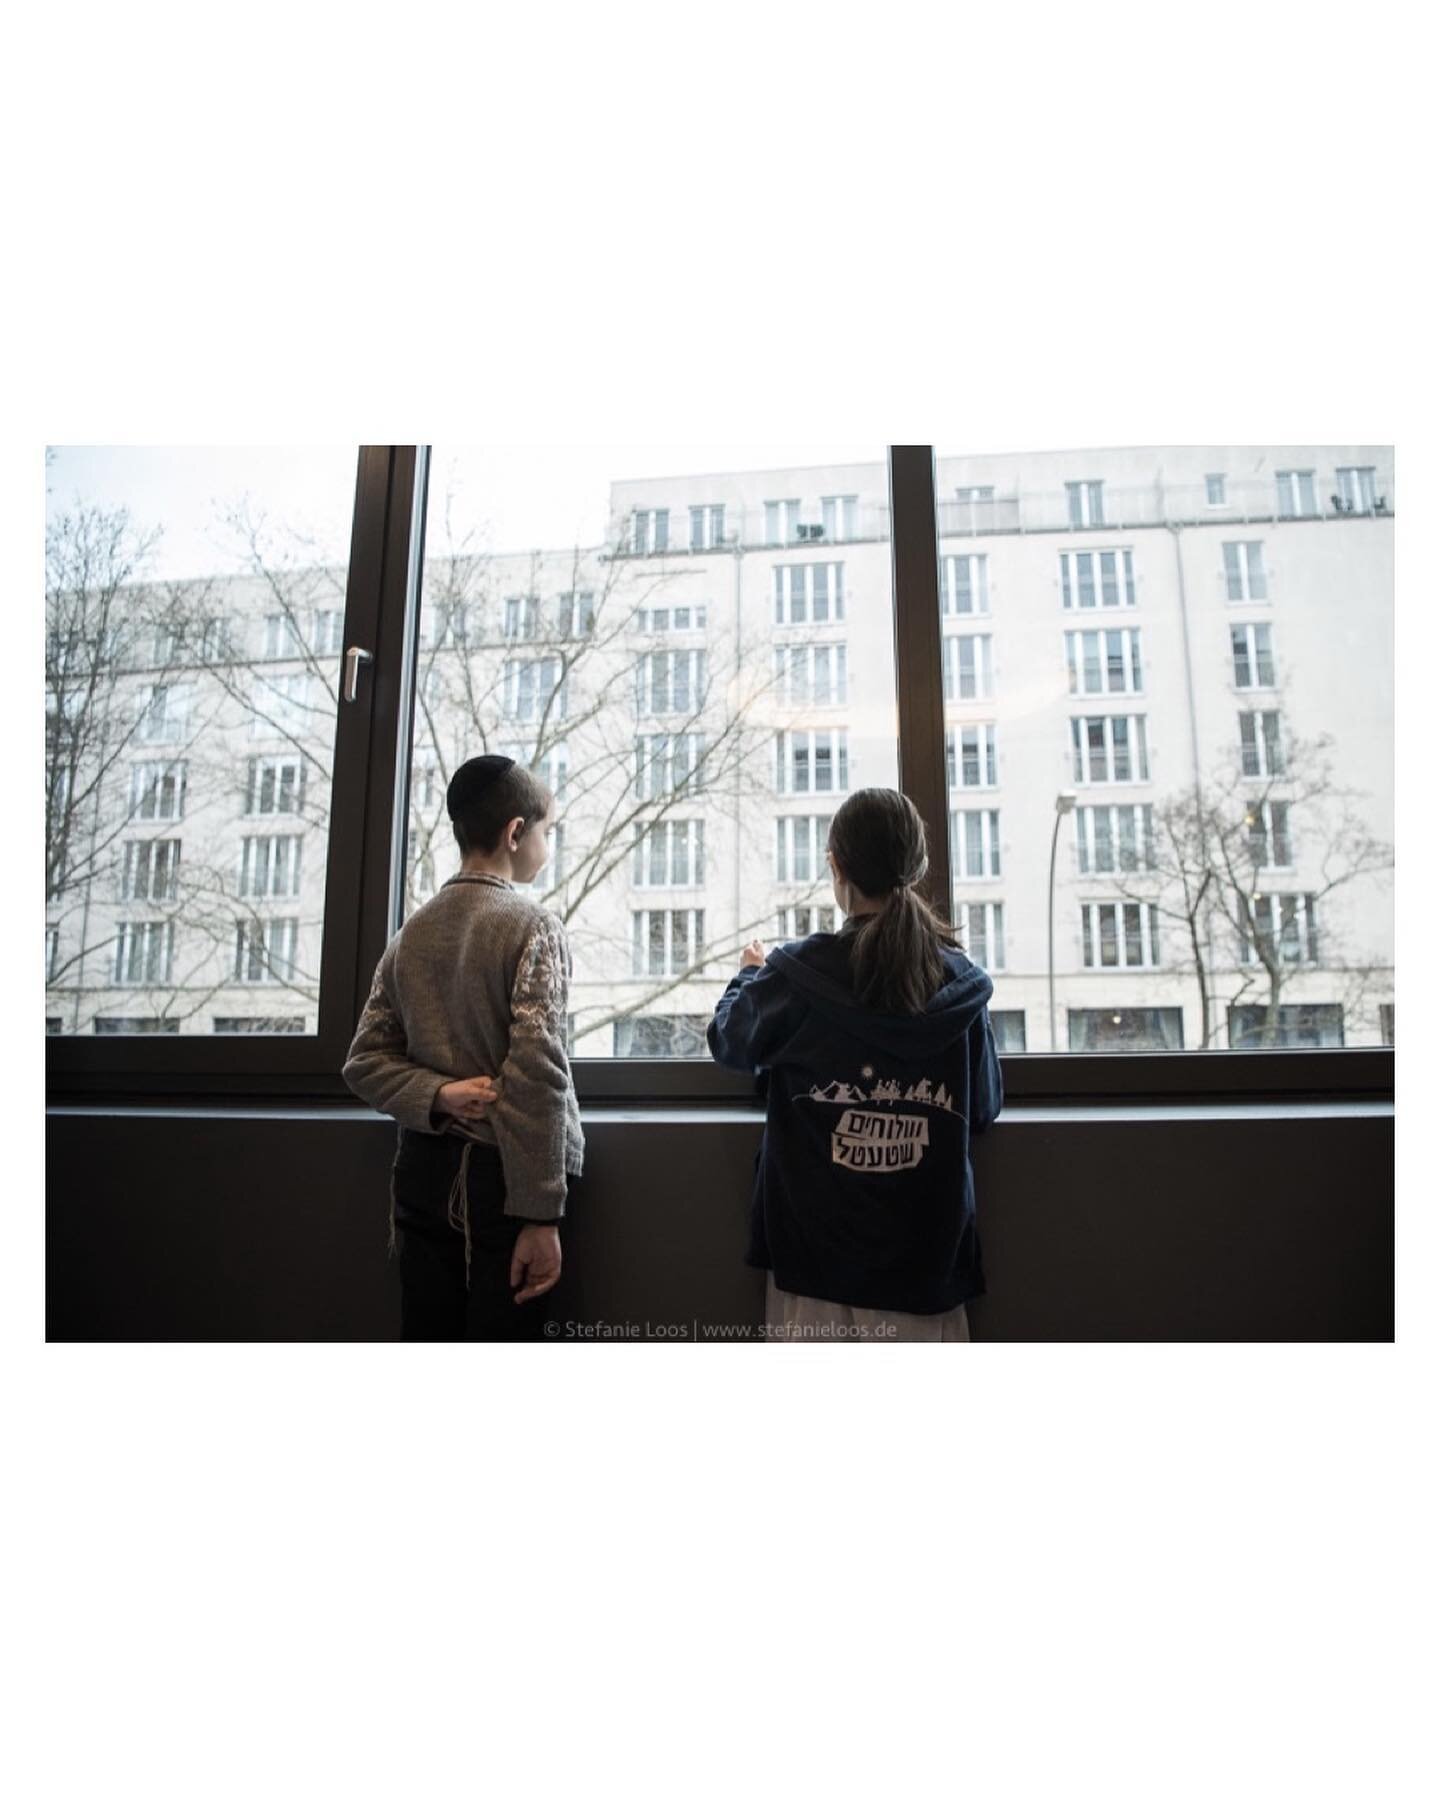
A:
(434, 1301)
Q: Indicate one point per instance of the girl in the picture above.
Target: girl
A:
(463, 1041)
(881, 1063)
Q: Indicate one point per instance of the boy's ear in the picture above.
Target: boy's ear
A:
(514, 831)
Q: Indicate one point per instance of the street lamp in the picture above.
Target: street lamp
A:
(1064, 803)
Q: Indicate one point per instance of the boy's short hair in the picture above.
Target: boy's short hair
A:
(486, 793)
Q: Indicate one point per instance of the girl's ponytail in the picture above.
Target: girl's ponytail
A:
(878, 839)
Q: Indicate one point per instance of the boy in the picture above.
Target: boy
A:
(463, 1042)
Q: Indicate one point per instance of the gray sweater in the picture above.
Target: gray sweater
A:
(475, 983)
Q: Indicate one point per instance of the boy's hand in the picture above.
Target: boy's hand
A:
(536, 1261)
(753, 955)
(467, 1099)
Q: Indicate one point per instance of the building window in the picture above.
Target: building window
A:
(1126, 1028)
(812, 762)
(964, 586)
(1214, 490)
(680, 1034)
(982, 931)
(975, 844)
(279, 706)
(654, 619)
(1104, 662)
(1357, 490)
(276, 784)
(669, 763)
(1120, 934)
(117, 1027)
(1090, 578)
(970, 756)
(800, 921)
(151, 869)
(800, 848)
(270, 868)
(967, 667)
(143, 953)
(53, 1025)
(810, 674)
(1244, 571)
(1269, 828)
(1111, 748)
(217, 640)
(575, 614)
(329, 633)
(1008, 1030)
(52, 950)
(809, 593)
(782, 522)
(534, 690)
(707, 527)
(265, 949)
(669, 854)
(261, 1027)
(1251, 653)
(1319, 1027)
(1086, 502)
(1113, 838)
(1285, 927)
(1296, 492)
(840, 514)
(1387, 1023)
(666, 943)
(282, 638)
(650, 531)
(157, 791)
(522, 616)
(165, 715)
(1261, 752)
(669, 681)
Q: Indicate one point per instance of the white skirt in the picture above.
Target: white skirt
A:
(799, 1318)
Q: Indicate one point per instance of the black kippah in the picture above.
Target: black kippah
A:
(472, 778)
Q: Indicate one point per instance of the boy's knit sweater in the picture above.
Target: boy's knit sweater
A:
(475, 983)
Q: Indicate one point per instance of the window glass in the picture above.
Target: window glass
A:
(194, 610)
(694, 649)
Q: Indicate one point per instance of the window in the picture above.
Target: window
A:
(666, 943)
(669, 681)
(1104, 662)
(54, 1025)
(218, 640)
(1296, 493)
(1387, 1023)
(143, 953)
(1120, 934)
(810, 674)
(157, 791)
(809, 593)
(964, 586)
(839, 513)
(1086, 507)
(811, 762)
(981, 926)
(800, 849)
(534, 690)
(1244, 571)
(1090, 578)
(669, 854)
(654, 619)
(668, 763)
(707, 527)
(280, 706)
(970, 756)
(1126, 1028)
(1250, 651)
(151, 869)
(975, 845)
(1357, 489)
(270, 868)
(801, 921)
(1214, 490)
(136, 1027)
(967, 667)
(265, 949)
(650, 531)
(1111, 748)
(1261, 752)
(1269, 834)
(1111, 838)
(1008, 1030)
(522, 616)
(576, 614)
(282, 638)
(329, 637)
(1292, 1027)
(782, 522)
(276, 784)
(165, 714)
(1284, 929)
(52, 950)
(680, 1034)
(270, 1025)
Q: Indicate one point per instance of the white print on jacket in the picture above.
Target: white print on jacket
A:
(879, 1143)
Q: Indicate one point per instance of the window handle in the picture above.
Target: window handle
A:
(354, 656)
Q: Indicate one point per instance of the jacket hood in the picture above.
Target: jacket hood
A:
(819, 967)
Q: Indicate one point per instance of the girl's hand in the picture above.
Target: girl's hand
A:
(467, 1099)
(753, 955)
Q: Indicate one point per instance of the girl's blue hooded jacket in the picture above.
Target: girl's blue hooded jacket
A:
(863, 1188)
